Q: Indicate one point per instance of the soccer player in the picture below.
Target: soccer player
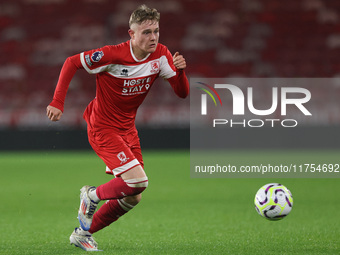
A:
(124, 75)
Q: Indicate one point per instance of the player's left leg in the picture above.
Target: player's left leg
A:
(88, 205)
(119, 203)
(123, 158)
(108, 213)
(129, 183)
(124, 191)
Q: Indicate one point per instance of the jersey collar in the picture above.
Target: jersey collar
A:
(134, 57)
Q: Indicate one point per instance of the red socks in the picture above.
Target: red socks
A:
(114, 191)
(118, 188)
(108, 213)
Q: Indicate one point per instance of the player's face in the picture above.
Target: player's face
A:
(144, 38)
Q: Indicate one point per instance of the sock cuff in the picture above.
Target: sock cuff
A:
(138, 182)
(126, 206)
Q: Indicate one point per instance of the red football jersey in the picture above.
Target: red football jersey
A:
(123, 81)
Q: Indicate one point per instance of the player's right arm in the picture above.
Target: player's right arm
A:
(53, 113)
(55, 109)
(93, 61)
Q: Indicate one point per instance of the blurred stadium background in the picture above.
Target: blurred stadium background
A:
(231, 38)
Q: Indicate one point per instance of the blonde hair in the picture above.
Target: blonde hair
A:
(143, 13)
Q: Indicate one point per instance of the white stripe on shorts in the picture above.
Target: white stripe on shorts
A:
(123, 168)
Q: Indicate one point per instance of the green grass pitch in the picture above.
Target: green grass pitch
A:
(178, 214)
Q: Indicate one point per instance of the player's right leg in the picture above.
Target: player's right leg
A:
(83, 239)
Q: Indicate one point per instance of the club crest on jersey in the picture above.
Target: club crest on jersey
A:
(97, 56)
(122, 157)
(154, 66)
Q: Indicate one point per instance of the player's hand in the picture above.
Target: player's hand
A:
(179, 61)
(53, 113)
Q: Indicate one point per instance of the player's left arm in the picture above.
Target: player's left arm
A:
(179, 61)
(179, 82)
